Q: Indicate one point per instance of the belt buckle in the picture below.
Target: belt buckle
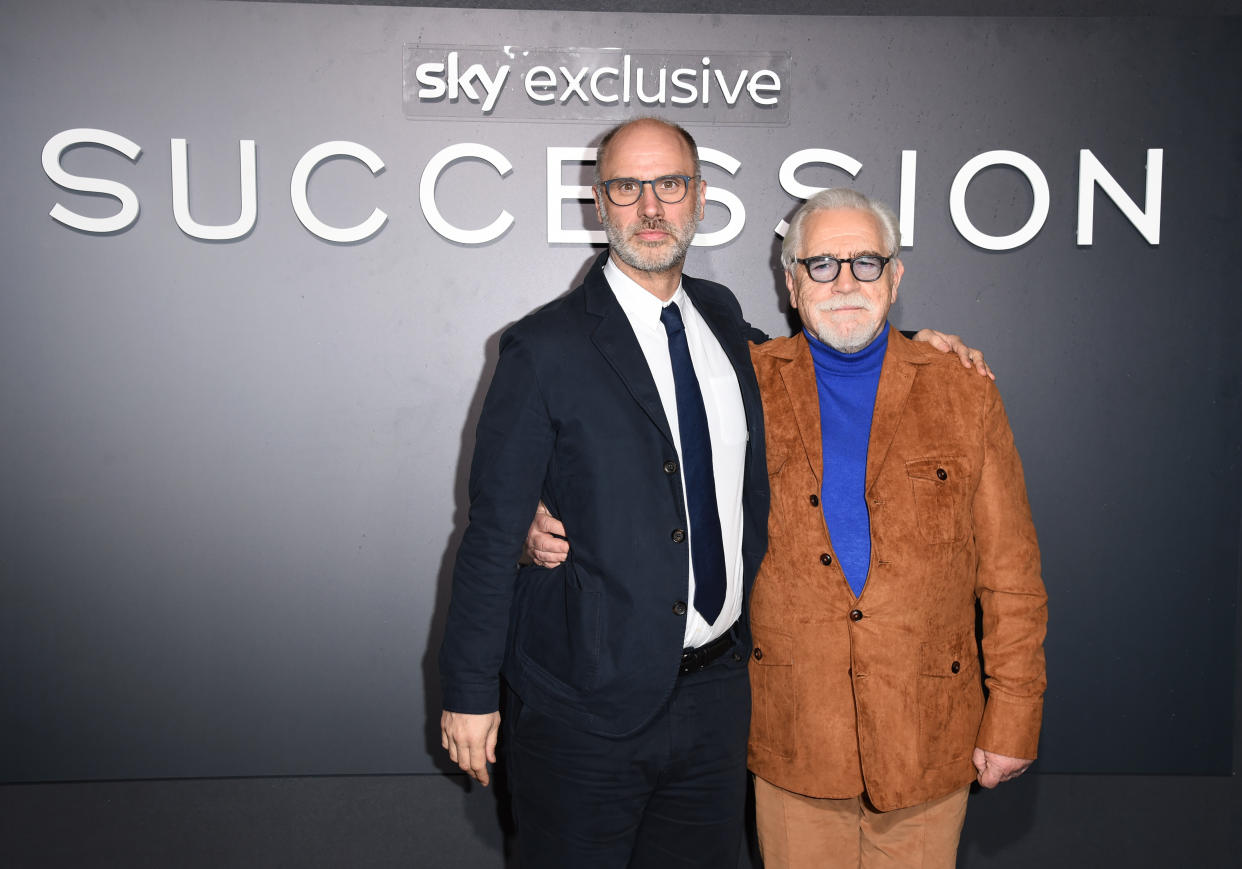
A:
(697, 659)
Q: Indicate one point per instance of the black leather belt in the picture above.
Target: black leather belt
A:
(694, 660)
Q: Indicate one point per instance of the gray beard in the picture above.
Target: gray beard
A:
(850, 343)
(638, 256)
(840, 347)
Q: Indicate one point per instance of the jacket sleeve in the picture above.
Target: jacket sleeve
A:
(1011, 594)
(513, 445)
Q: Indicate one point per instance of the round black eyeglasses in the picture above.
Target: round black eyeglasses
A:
(669, 189)
(824, 269)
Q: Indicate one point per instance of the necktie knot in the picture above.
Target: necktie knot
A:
(670, 316)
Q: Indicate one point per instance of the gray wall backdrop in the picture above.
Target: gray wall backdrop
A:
(234, 471)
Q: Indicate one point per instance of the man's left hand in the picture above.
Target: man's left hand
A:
(995, 768)
(971, 358)
(545, 543)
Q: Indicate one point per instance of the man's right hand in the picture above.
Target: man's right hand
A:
(545, 540)
(471, 741)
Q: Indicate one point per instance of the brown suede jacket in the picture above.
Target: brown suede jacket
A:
(883, 692)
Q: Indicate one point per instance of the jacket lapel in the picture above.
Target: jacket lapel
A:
(896, 379)
(614, 338)
(798, 377)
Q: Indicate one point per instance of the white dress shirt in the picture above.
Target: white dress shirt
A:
(726, 423)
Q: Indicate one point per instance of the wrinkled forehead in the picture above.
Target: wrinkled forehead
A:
(841, 232)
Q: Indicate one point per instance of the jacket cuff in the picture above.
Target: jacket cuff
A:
(1011, 726)
(477, 700)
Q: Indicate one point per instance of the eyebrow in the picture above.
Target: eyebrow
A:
(865, 252)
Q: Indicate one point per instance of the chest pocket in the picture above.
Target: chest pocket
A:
(941, 487)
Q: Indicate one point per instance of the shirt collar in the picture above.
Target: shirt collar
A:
(641, 307)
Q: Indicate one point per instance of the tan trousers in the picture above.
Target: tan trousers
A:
(797, 832)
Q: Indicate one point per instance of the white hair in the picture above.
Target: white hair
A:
(830, 200)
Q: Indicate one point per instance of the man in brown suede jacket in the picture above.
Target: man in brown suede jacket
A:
(867, 704)
(898, 501)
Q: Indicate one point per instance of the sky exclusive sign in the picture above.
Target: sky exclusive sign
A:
(576, 84)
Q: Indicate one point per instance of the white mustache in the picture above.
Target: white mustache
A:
(854, 300)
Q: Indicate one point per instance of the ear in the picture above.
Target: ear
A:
(702, 196)
(791, 285)
(898, 271)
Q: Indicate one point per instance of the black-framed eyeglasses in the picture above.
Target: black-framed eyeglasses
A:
(823, 269)
(669, 189)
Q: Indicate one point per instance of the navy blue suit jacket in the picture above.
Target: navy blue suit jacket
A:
(573, 416)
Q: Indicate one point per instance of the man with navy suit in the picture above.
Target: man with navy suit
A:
(628, 702)
(630, 408)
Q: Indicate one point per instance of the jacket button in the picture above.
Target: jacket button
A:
(679, 608)
(942, 474)
(758, 654)
(815, 500)
(956, 667)
(855, 615)
(678, 535)
(670, 467)
(825, 559)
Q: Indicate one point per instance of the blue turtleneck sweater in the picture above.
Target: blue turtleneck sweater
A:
(847, 383)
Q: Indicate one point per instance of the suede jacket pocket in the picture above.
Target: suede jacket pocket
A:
(950, 700)
(941, 486)
(773, 697)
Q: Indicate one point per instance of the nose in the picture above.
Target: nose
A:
(649, 205)
(845, 281)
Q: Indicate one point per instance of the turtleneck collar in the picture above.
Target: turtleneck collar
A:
(865, 362)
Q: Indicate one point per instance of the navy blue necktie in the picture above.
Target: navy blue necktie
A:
(706, 546)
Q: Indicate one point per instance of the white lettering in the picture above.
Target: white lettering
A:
(558, 193)
(491, 86)
(452, 82)
(610, 72)
(680, 83)
(731, 96)
(909, 175)
(730, 200)
(543, 79)
(433, 86)
(658, 96)
(1091, 172)
(573, 85)
(52, 151)
(301, 206)
(1092, 175)
(807, 157)
(427, 192)
(463, 82)
(181, 196)
(451, 74)
(1039, 208)
(768, 81)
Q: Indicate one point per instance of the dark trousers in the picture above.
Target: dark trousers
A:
(671, 796)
